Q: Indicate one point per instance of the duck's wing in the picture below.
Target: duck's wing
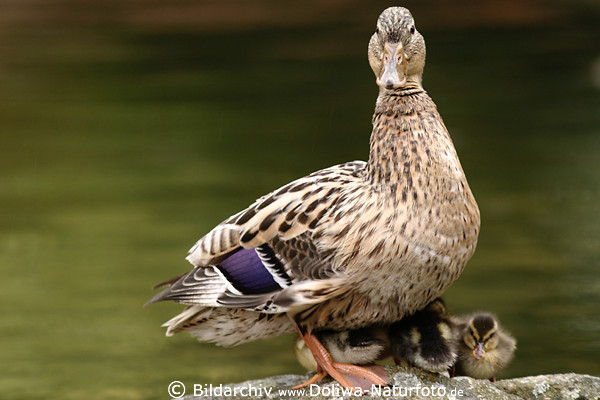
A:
(266, 258)
(283, 214)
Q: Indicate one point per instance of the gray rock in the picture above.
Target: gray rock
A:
(560, 386)
(412, 384)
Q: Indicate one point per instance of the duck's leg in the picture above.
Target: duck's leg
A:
(323, 360)
(336, 370)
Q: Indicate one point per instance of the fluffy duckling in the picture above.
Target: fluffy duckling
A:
(426, 339)
(484, 348)
(359, 346)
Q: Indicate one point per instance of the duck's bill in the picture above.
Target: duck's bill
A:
(393, 73)
(479, 351)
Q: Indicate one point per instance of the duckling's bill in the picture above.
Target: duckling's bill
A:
(395, 65)
(479, 351)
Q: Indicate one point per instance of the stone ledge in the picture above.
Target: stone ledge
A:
(416, 384)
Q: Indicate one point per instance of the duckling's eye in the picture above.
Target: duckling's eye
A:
(491, 335)
(412, 30)
(377, 30)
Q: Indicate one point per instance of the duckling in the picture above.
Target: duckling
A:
(426, 339)
(349, 246)
(359, 346)
(484, 348)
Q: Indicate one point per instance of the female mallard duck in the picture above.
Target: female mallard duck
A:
(352, 245)
(484, 348)
(426, 339)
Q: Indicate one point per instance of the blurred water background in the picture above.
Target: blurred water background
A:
(129, 129)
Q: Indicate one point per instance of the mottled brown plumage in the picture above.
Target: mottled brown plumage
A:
(351, 245)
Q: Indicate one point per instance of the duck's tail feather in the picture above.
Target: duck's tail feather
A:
(202, 285)
(228, 327)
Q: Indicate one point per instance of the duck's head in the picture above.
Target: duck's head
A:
(481, 334)
(397, 50)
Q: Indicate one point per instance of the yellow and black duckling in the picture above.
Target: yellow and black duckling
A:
(354, 245)
(359, 346)
(427, 339)
(484, 348)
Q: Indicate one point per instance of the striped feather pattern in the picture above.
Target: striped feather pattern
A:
(284, 213)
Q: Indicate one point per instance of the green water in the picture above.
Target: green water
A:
(123, 142)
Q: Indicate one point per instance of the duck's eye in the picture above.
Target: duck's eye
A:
(412, 30)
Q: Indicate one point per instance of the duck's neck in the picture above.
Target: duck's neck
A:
(412, 86)
(406, 131)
